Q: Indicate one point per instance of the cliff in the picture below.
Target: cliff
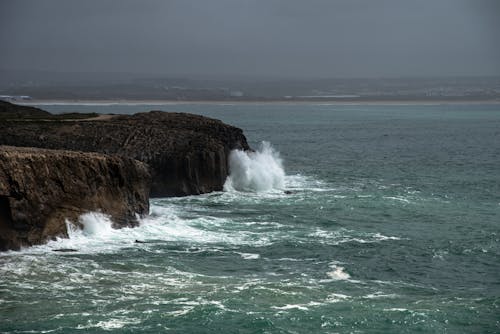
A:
(187, 154)
(40, 189)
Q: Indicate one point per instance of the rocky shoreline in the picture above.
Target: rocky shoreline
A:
(40, 189)
(64, 165)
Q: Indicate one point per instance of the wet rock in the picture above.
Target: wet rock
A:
(40, 189)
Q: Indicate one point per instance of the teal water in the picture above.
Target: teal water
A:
(392, 226)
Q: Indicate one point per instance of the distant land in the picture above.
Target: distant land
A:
(39, 86)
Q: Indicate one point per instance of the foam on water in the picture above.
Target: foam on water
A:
(249, 256)
(338, 272)
(257, 171)
(291, 307)
(343, 235)
(93, 232)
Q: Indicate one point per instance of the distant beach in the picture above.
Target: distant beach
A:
(41, 102)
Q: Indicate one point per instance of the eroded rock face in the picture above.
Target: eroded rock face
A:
(40, 189)
(187, 154)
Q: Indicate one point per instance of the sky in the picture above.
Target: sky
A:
(255, 38)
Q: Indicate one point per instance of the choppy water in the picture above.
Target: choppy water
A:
(392, 226)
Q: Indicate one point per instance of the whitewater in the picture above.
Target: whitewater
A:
(254, 175)
(349, 219)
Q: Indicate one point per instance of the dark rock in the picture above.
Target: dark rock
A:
(65, 250)
(14, 111)
(40, 189)
(187, 154)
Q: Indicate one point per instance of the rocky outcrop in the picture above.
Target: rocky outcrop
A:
(187, 154)
(14, 111)
(40, 189)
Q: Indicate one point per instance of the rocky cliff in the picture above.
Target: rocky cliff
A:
(40, 189)
(187, 154)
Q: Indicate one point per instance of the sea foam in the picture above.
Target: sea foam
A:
(96, 223)
(338, 272)
(93, 233)
(257, 171)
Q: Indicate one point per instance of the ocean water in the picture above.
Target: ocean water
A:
(390, 224)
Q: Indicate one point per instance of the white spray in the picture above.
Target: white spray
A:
(95, 227)
(255, 171)
(96, 224)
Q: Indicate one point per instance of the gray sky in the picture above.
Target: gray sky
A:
(271, 38)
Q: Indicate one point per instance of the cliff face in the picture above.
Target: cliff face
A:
(40, 189)
(187, 154)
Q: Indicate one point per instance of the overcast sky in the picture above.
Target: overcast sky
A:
(269, 38)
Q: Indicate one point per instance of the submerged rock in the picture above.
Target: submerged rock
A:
(65, 250)
(187, 154)
(40, 189)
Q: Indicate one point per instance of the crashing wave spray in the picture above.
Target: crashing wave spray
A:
(93, 224)
(255, 171)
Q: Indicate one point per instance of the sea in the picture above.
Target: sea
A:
(347, 218)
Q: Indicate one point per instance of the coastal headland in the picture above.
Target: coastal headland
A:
(65, 165)
(187, 154)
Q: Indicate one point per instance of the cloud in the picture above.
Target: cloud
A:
(251, 37)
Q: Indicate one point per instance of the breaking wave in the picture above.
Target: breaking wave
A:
(166, 224)
(93, 224)
(257, 171)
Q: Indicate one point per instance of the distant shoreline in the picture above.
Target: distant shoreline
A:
(103, 102)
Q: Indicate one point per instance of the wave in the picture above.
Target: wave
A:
(93, 233)
(257, 171)
(338, 273)
(343, 235)
(93, 224)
